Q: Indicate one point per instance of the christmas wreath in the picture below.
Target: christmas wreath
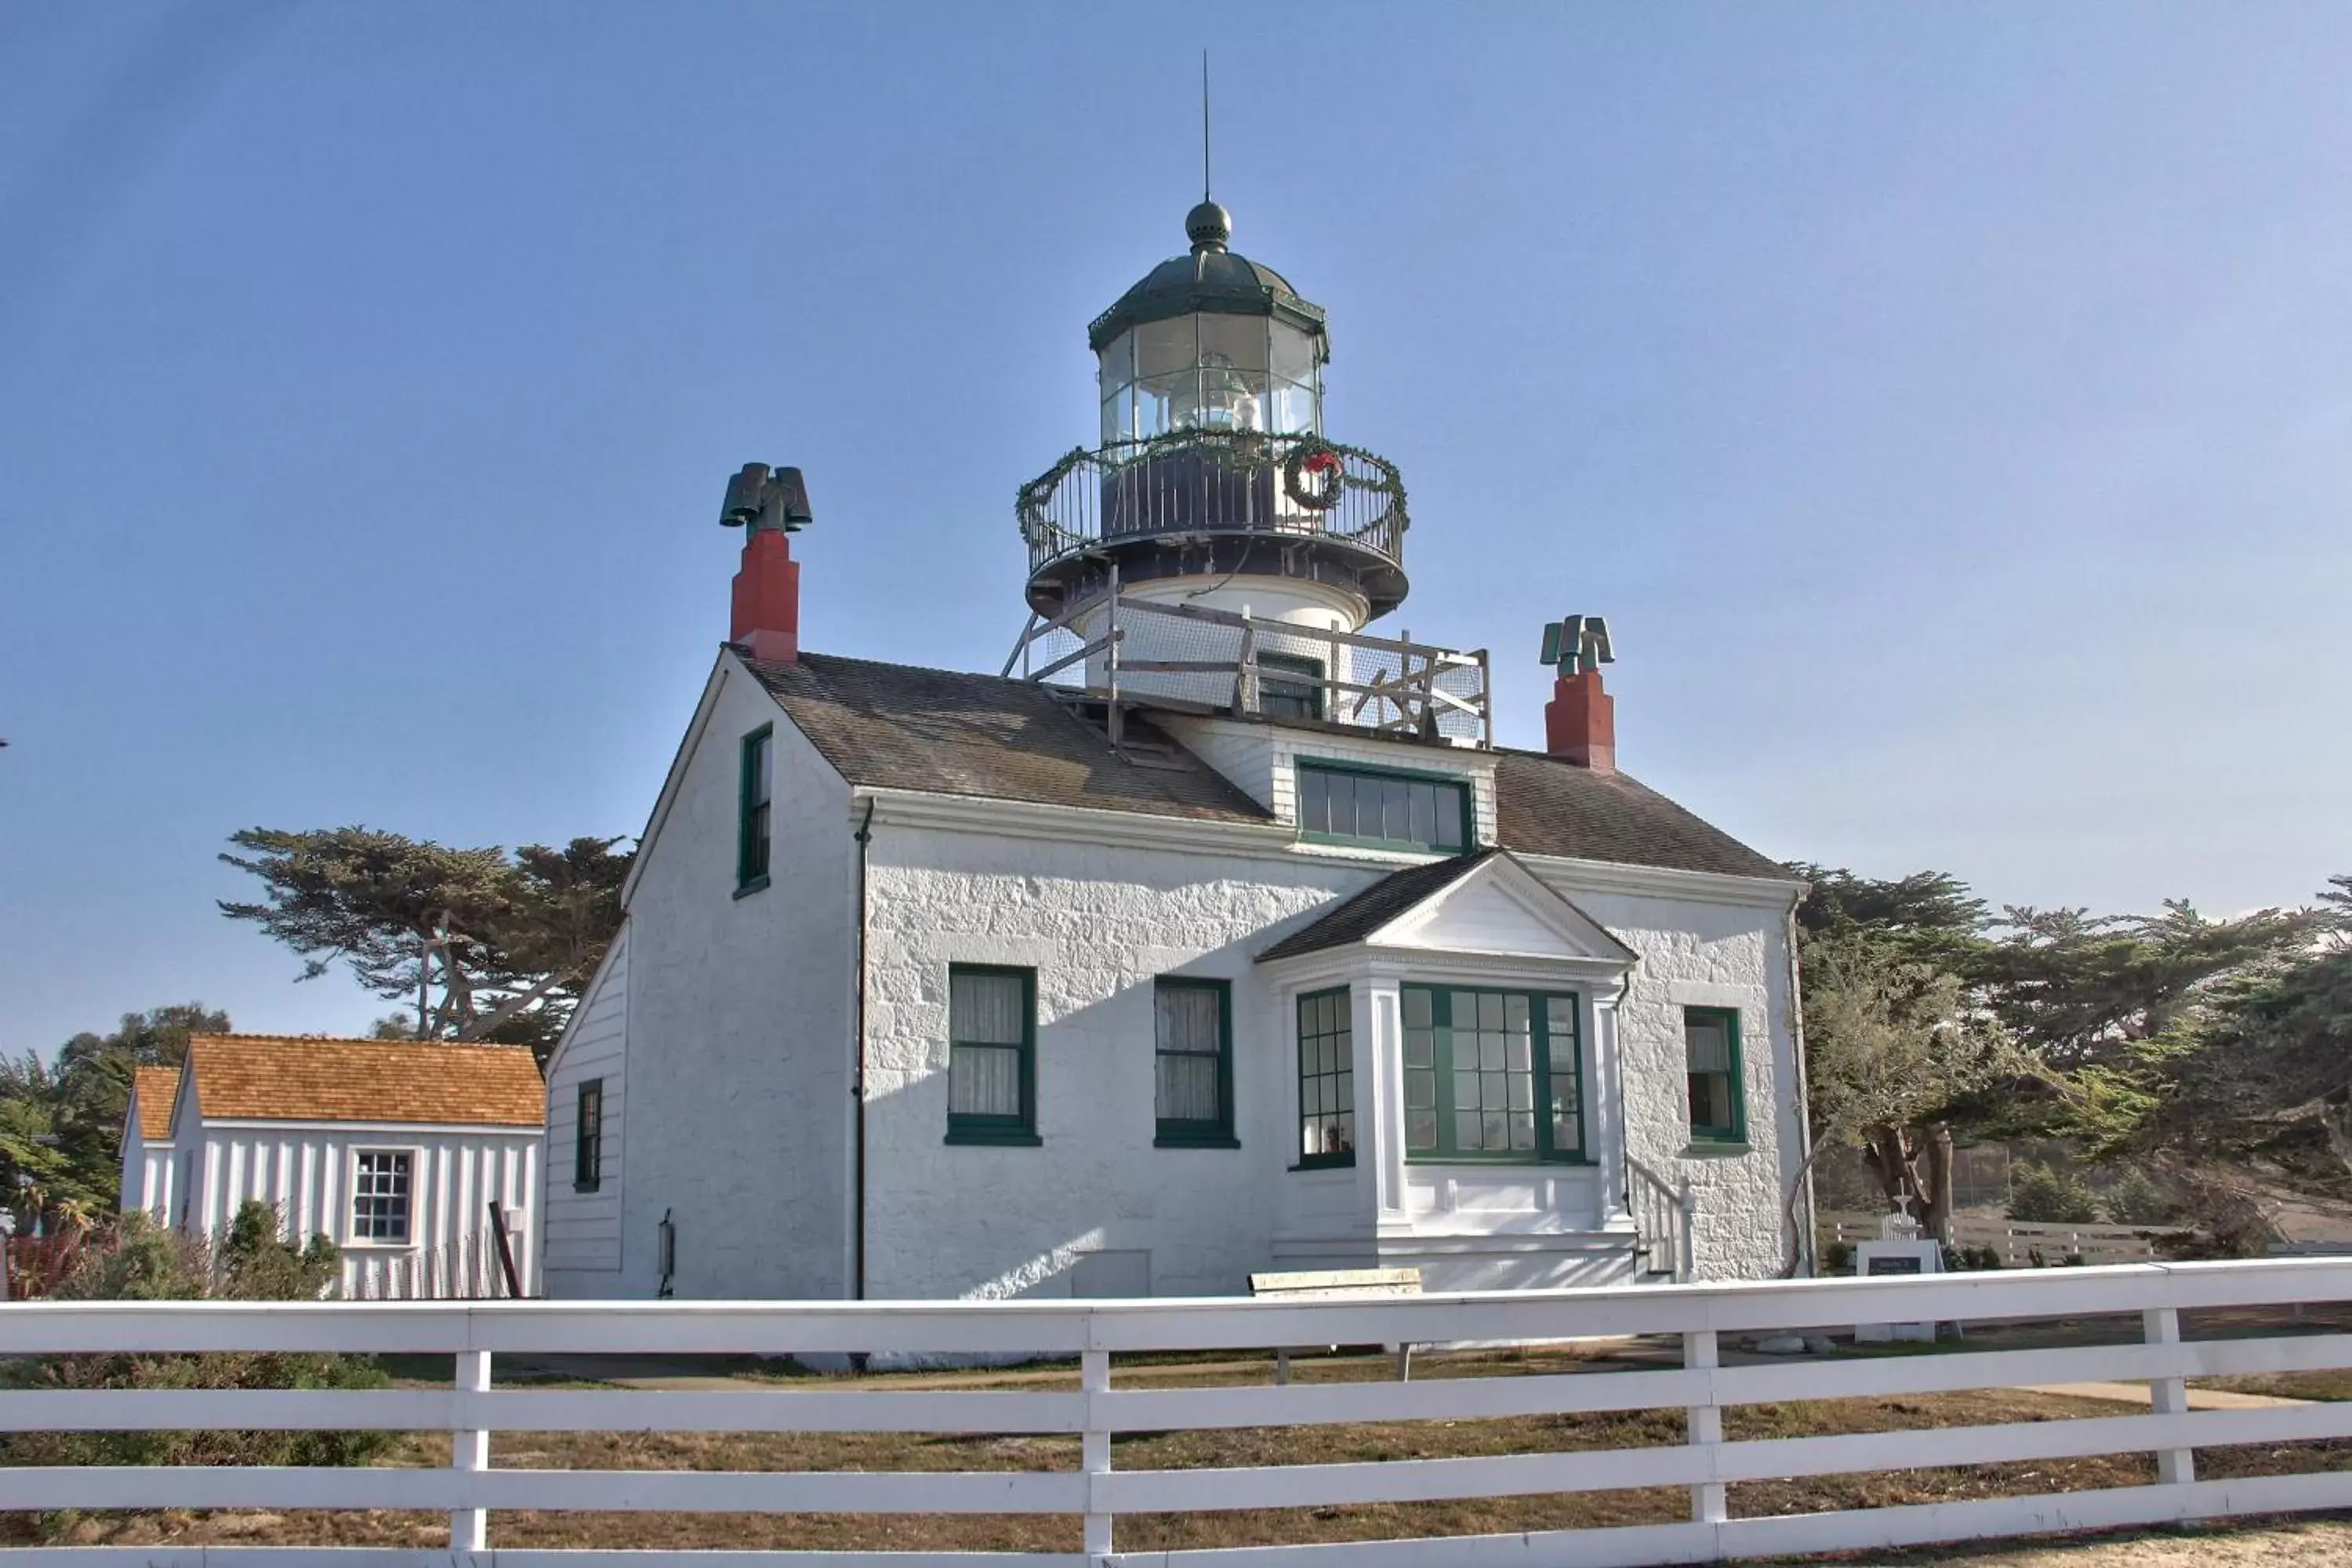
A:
(1312, 477)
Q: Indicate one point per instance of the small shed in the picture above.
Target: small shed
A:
(394, 1150)
(147, 1162)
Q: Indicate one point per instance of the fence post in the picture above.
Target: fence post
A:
(2168, 1396)
(1094, 1377)
(1707, 1504)
(469, 1453)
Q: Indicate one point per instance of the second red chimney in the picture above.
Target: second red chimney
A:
(772, 504)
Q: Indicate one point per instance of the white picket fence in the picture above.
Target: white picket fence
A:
(1707, 1317)
(2017, 1241)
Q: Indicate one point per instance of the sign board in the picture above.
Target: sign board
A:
(1893, 1256)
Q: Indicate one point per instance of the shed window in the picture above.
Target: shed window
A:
(759, 781)
(991, 1054)
(1491, 1075)
(1327, 1080)
(1385, 810)
(380, 1195)
(1193, 1061)
(588, 1138)
(1718, 1114)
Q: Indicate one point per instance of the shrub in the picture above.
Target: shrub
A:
(2136, 1199)
(1838, 1257)
(2039, 1194)
(147, 1263)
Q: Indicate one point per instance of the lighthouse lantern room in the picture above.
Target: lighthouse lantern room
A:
(1217, 548)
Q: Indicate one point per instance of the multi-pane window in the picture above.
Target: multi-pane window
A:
(1711, 1045)
(1192, 1061)
(759, 783)
(1327, 1080)
(1289, 686)
(1491, 1075)
(588, 1137)
(991, 1054)
(380, 1194)
(1390, 811)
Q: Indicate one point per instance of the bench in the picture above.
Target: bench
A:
(1336, 1284)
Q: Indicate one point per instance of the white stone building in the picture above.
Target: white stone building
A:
(394, 1149)
(1245, 949)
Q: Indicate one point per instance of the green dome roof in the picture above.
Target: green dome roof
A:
(1212, 278)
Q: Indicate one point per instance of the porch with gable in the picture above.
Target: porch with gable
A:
(1464, 1015)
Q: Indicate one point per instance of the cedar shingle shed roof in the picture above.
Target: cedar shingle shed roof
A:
(269, 1078)
(1358, 916)
(1547, 806)
(156, 1087)
(901, 727)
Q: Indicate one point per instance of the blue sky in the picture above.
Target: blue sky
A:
(1950, 408)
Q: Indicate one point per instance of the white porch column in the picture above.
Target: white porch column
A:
(1607, 1108)
(1379, 1023)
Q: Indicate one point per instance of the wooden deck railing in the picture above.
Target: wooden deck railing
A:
(1705, 1317)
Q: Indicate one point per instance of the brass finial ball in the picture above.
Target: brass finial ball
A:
(1209, 226)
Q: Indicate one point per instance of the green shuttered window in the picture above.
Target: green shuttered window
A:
(1327, 1080)
(1492, 1075)
(758, 787)
(1192, 1030)
(1718, 1110)
(991, 1054)
(1382, 809)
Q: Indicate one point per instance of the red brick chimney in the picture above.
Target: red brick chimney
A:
(1580, 720)
(767, 618)
(772, 504)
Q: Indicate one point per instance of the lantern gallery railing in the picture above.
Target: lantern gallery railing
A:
(1190, 657)
(1213, 481)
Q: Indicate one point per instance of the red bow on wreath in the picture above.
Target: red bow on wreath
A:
(1321, 462)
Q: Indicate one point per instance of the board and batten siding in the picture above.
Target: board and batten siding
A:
(303, 1170)
(581, 1238)
(147, 1168)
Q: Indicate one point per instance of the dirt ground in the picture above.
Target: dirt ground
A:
(2303, 1545)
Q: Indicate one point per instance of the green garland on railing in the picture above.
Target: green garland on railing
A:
(1248, 450)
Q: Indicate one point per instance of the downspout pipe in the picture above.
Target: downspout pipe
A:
(864, 837)
(1806, 1260)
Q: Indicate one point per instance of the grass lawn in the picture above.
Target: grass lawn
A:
(1182, 1451)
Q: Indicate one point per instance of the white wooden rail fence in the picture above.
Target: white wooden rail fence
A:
(1708, 1317)
(2018, 1240)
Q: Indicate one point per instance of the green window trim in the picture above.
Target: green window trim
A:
(1435, 1075)
(1429, 813)
(1289, 686)
(754, 809)
(1327, 1134)
(588, 1137)
(1195, 1133)
(1718, 1112)
(1007, 1130)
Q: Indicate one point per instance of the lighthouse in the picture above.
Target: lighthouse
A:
(1215, 522)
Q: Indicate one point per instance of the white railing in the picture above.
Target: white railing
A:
(2020, 1241)
(1662, 1220)
(1098, 1410)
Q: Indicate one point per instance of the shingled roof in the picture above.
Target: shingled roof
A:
(1547, 806)
(903, 727)
(1358, 915)
(303, 1078)
(156, 1089)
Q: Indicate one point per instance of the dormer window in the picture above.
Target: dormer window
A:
(1383, 809)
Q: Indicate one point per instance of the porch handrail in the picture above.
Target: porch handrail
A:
(1662, 1217)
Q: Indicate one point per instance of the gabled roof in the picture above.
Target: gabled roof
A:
(1510, 909)
(902, 727)
(155, 1090)
(1358, 915)
(273, 1078)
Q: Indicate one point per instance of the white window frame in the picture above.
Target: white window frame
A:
(351, 1237)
